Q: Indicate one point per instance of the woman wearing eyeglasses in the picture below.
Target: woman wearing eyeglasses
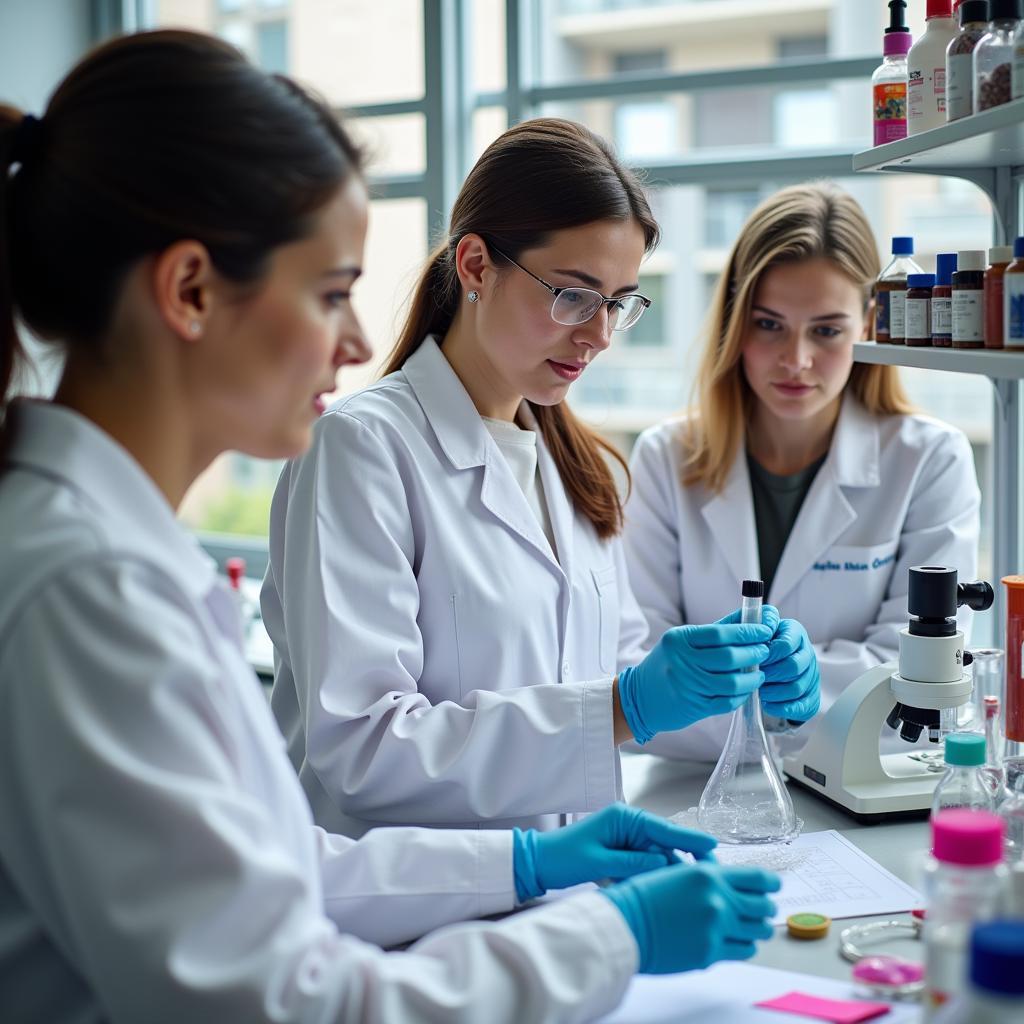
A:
(456, 639)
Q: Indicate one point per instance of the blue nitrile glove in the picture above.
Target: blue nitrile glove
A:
(694, 672)
(791, 679)
(616, 842)
(690, 916)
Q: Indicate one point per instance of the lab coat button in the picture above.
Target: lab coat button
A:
(565, 668)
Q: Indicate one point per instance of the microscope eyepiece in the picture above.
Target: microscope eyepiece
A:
(933, 592)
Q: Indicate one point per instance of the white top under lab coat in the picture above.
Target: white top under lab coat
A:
(894, 491)
(158, 861)
(435, 663)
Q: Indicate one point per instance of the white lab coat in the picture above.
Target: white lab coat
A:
(894, 491)
(158, 861)
(435, 663)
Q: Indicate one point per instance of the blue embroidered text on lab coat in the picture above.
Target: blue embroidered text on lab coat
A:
(829, 566)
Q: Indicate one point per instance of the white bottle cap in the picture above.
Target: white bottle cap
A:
(971, 259)
(1000, 254)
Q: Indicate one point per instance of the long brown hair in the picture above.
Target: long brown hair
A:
(802, 222)
(153, 138)
(539, 177)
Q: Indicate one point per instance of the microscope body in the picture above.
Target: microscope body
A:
(842, 761)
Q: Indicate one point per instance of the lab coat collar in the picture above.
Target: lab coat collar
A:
(852, 461)
(729, 516)
(559, 506)
(856, 446)
(466, 443)
(62, 444)
(446, 403)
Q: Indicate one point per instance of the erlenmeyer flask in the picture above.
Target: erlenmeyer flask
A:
(745, 800)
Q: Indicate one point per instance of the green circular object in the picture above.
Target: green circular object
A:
(808, 926)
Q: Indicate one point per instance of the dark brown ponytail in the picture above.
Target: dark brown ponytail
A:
(539, 177)
(10, 347)
(153, 138)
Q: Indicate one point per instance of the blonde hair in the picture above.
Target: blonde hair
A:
(802, 222)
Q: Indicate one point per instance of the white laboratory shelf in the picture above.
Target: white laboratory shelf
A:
(982, 142)
(987, 149)
(992, 363)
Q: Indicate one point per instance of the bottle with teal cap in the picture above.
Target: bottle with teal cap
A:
(963, 785)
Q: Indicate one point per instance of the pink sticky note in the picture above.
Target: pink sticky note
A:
(840, 1011)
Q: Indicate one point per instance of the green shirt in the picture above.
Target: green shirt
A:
(777, 501)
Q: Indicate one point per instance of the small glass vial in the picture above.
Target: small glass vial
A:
(919, 309)
(963, 785)
(891, 293)
(959, 63)
(993, 56)
(968, 300)
(1013, 298)
(995, 992)
(965, 881)
(999, 258)
(942, 300)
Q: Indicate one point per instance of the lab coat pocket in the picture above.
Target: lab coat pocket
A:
(607, 584)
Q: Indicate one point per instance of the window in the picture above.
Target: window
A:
(272, 46)
(673, 134)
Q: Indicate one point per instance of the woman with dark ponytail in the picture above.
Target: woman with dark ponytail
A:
(190, 229)
(456, 638)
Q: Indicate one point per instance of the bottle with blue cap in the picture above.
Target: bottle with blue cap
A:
(1013, 299)
(942, 300)
(963, 785)
(995, 992)
(919, 309)
(891, 293)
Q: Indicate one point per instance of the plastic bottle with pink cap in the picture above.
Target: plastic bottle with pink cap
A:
(965, 881)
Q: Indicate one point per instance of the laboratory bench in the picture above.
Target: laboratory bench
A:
(668, 787)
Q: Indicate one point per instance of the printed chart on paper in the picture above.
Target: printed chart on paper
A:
(825, 873)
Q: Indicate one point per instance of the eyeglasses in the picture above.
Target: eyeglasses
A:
(575, 306)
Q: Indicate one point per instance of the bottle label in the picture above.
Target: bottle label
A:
(968, 323)
(882, 313)
(919, 321)
(942, 317)
(1013, 306)
(898, 314)
(926, 93)
(890, 112)
(961, 86)
(1017, 80)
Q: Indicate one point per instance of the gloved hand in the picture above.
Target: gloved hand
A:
(694, 672)
(616, 842)
(791, 679)
(689, 916)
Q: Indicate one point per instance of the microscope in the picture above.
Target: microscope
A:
(842, 761)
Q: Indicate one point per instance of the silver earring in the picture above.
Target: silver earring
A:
(473, 296)
(194, 327)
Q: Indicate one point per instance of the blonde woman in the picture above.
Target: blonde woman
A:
(797, 465)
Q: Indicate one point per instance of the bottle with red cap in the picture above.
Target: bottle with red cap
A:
(926, 69)
(235, 569)
(965, 882)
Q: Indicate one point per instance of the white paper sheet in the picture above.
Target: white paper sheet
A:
(726, 993)
(829, 875)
